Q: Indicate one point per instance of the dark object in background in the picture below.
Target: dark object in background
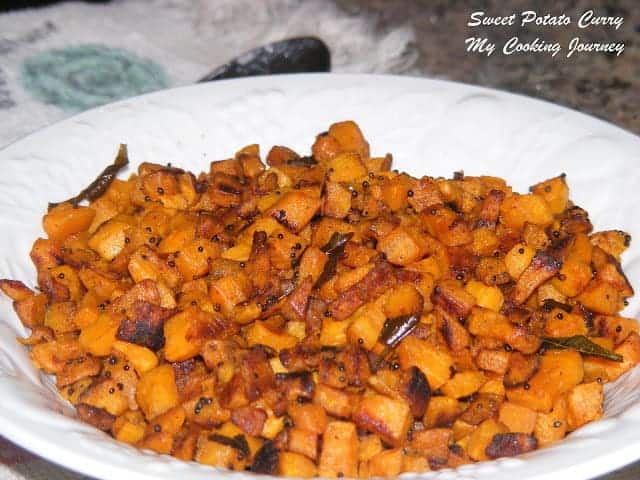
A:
(19, 4)
(294, 55)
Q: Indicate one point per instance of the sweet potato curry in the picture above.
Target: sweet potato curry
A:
(326, 315)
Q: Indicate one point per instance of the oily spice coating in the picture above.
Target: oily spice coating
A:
(325, 315)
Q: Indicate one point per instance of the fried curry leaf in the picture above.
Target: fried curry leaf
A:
(97, 188)
(395, 329)
(334, 250)
(581, 344)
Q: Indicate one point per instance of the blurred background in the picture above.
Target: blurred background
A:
(59, 58)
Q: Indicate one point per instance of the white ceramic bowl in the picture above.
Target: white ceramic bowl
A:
(431, 127)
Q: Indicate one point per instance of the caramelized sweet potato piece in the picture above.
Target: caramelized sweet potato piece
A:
(339, 454)
(97, 417)
(146, 325)
(510, 444)
(374, 283)
(542, 268)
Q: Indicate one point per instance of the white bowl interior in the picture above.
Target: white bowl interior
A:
(431, 127)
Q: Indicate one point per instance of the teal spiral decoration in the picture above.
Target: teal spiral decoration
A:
(81, 77)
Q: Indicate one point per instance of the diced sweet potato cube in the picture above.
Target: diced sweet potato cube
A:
(463, 384)
(339, 454)
(59, 317)
(228, 291)
(110, 239)
(493, 387)
(195, 257)
(280, 155)
(462, 429)
(127, 429)
(496, 361)
(302, 442)
(374, 283)
(442, 411)
(51, 356)
(411, 463)
(487, 297)
(309, 417)
(159, 442)
(249, 419)
(425, 194)
(337, 201)
(387, 417)
(616, 328)
(84, 367)
(517, 418)
(387, 463)
(453, 299)
(510, 444)
(483, 406)
(403, 300)
(400, 247)
(395, 191)
(379, 164)
(433, 443)
(144, 325)
(349, 137)
(614, 242)
(541, 269)
(344, 280)
(292, 464)
(584, 404)
(518, 259)
(169, 422)
(106, 395)
(365, 326)
(346, 167)
(369, 446)
(156, 391)
(484, 242)
(325, 148)
(65, 219)
(99, 337)
(295, 210)
(563, 324)
(312, 263)
(572, 278)
(228, 429)
(181, 341)
(259, 334)
(552, 426)
(435, 363)
(336, 402)
(516, 210)
(140, 357)
(445, 225)
(630, 351)
(559, 372)
(555, 192)
(454, 333)
(211, 452)
(487, 323)
(601, 297)
(482, 437)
